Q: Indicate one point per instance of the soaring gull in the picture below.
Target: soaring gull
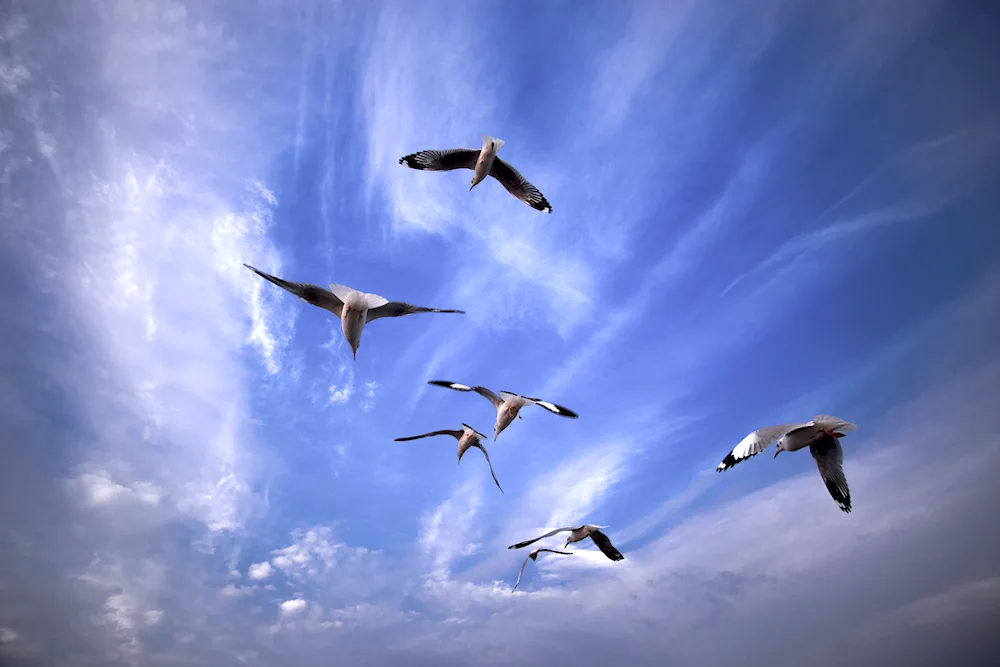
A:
(578, 533)
(822, 436)
(483, 162)
(533, 555)
(355, 309)
(467, 437)
(507, 404)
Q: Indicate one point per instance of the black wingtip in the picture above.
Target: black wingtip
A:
(727, 462)
(441, 383)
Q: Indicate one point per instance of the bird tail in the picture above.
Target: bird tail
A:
(497, 143)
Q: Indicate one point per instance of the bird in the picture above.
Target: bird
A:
(578, 533)
(822, 436)
(533, 556)
(483, 162)
(467, 437)
(355, 309)
(508, 405)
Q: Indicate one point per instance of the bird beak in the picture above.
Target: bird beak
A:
(776, 452)
(355, 351)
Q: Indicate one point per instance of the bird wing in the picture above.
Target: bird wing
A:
(829, 457)
(313, 294)
(446, 160)
(454, 434)
(604, 544)
(831, 423)
(519, 186)
(755, 443)
(487, 455)
(542, 537)
(482, 391)
(521, 573)
(552, 407)
(400, 308)
(535, 552)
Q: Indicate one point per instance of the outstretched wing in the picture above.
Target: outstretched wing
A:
(487, 455)
(604, 544)
(552, 407)
(755, 443)
(542, 537)
(535, 553)
(829, 457)
(519, 186)
(400, 308)
(482, 391)
(446, 160)
(313, 294)
(454, 434)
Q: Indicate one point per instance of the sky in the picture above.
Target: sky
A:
(762, 212)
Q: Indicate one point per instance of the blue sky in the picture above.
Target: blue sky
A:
(761, 212)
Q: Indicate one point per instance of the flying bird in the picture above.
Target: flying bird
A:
(355, 309)
(534, 555)
(467, 437)
(578, 533)
(483, 162)
(508, 405)
(822, 436)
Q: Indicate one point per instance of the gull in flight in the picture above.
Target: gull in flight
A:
(483, 162)
(578, 533)
(355, 309)
(508, 405)
(822, 436)
(533, 555)
(467, 437)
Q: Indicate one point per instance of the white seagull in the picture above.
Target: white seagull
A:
(355, 309)
(533, 555)
(467, 437)
(822, 436)
(483, 162)
(578, 533)
(507, 404)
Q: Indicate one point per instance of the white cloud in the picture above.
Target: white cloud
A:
(98, 489)
(232, 591)
(7, 635)
(153, 616)
(368, 401)
(260, 571)
(292, 607)
(449, 531)
(312, 552)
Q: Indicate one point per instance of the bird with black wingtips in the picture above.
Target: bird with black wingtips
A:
(533, 556)
(483, 162)
(354, 308)
(821, 435)
(577, 533)
(467, 437)
(508, 404)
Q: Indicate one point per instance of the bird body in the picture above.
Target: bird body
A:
(485, 161)
(507, 404)
(577, 533)
(354, 308)
(821, 435)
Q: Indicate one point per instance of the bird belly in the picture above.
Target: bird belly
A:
(799, 439)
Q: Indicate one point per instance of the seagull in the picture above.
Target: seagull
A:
(508, 405)
(578, 533)
(483, 163)
(533, 555)
(822, 436)
(467, 437)
(355, 309)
